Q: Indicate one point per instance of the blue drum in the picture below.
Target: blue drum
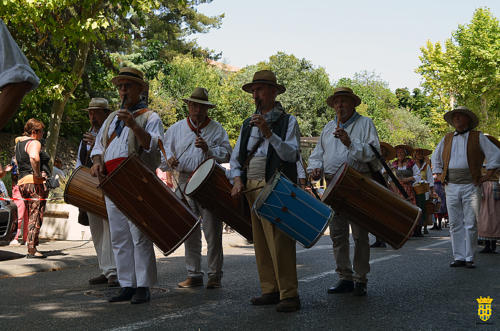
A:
(293, 210)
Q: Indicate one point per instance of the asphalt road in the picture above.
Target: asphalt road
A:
(410, 288)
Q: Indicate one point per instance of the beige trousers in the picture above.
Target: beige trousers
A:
(274, 252)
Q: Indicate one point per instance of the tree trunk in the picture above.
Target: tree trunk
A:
(59, 105)
(484, 108)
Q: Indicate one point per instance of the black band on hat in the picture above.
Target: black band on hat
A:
(129, 74)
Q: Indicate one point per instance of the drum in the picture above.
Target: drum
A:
(292, 210)
(371, 206)
(150, 204)
(82, 191)
(209, 186)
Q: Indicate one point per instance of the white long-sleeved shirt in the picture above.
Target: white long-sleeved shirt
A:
(428, 178)
(330, 153)
(179, 142)
(458, 156)
(14, 66)
(287, 150)
(119, 146)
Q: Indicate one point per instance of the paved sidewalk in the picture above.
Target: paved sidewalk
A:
(64, 254)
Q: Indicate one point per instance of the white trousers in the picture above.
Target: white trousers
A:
(134, 252)
(99, 228)
(212, 229)
(463, 202)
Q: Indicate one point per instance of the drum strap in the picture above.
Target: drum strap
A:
(113, 135)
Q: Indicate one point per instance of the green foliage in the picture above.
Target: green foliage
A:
(467, 70)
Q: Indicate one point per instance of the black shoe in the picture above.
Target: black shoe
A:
(125, 294)
(457, 263)
(425, 231)
(266, 299)
(288, 305)
(434, 227)
(376, 244)
(469, 264)
(343, 286)
(359, 289)
(141, 295)
(486, 250)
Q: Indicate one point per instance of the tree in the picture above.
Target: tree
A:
(467, 70)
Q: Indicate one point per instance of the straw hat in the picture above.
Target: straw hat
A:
(130, 74)
(264, 77)
(388, 152)
(474, 121)
(343, 91)
(424, 151)
(200, 95)
(98, 103)
(407, 148)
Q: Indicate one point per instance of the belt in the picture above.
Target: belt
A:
(111, 165)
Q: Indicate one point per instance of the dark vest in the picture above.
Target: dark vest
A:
(87, 162)
(273, 161)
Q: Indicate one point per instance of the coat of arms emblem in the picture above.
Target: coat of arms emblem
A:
(484, 308)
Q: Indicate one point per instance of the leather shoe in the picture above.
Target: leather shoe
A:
(469, 264)
(141, 295)
(343, 286)
(359, 289)
(288, 305)
(266, 299)
(213, 282)
(191, 282)
(101, 279)
(113, 281)
(125, 294)
(457, 263)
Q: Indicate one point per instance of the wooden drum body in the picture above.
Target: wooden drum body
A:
(209, 186)
(371, 206)
(82, 191)
(149, 204)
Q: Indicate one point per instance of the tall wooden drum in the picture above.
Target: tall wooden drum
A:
(83, 192)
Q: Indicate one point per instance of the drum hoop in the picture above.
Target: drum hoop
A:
(320, 234)
(173, 249)
(203, 182)
(266, 191)
(121, 165)
(333, 184)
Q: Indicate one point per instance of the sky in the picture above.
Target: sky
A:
(344, 37)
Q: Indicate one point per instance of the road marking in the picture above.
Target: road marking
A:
(158, 322)
(331, 272)
(434, 245)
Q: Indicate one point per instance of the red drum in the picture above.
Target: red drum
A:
(82, 190)
(150, 204)
(371, 206)
(209, 186)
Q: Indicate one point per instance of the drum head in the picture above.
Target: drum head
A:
(199, 176)
(335, 180)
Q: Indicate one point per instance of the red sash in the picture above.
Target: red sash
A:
(111, 165)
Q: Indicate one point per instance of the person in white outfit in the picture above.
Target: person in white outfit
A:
(98, 111)
(458, 159)
(134, 128)
(188, 143)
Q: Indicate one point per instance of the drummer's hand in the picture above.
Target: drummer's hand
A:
(259, 121)
(173, 162)
(98, 170)
(89, 138)
(201, 143)
(343, 136)
(127, 118)
(316, 174)
(237, 187)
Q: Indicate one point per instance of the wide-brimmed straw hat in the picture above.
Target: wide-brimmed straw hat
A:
(200, 95)
(343, 91)
(264, 77)
(474, 121)
(98, 103)
(388, 152)
(425, 151)
(407, 148)
(130, 73)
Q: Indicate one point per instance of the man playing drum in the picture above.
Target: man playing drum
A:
(188, 143)
(347, 138)
(98, 111)
(458, 159)
(131, 129)
(269, 140)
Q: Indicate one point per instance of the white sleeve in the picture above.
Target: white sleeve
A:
(491, 152)
(437, 158)
(287, 149)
